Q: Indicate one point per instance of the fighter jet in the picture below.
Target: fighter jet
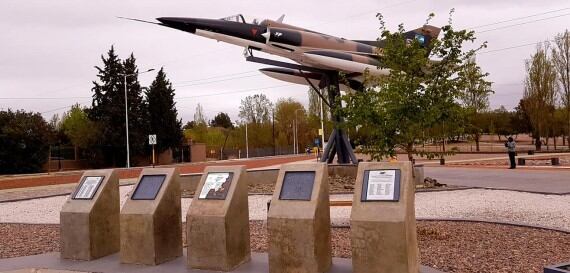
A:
(318, 58)
(306, 47)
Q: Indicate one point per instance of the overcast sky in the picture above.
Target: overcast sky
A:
(48, 49)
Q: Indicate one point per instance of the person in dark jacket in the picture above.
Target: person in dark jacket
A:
(511, 148)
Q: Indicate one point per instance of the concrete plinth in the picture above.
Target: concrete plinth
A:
(383, 223)
(151, 219)
(110, 264)
(218, 220)
(299, 220)
(90, 217)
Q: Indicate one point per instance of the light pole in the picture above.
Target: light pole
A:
(127, 112)
(246, 142)
(296, 148)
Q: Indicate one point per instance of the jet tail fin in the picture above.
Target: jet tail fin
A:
(423, 34)
(280, 20)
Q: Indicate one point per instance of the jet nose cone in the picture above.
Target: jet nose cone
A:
(185, 24)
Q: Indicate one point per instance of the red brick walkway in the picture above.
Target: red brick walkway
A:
(57, 179)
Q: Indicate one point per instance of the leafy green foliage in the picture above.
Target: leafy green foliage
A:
(255, 109)
(222, 120)
(540, 92)
(24, 142)
(81, 131)
(420, 92)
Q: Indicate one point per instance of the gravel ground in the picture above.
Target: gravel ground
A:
(448, 246)
(493, 205)
(338, 184)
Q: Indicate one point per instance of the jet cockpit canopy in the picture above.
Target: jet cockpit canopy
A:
(241, 19)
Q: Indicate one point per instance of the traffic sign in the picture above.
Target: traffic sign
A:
(152, 139)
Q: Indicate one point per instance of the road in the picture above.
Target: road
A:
(540, 181)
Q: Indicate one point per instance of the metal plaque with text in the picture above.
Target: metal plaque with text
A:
(88, 187)
(381, 185)
(148, 187)
(297, 186)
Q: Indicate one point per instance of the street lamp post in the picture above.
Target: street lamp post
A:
(127, 112)
(246, 142)
(296, 148)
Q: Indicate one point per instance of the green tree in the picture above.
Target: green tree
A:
(256, 109)
(540, 93)
(289, 114)
(222, 120)
(475, 97)
(108, 109)
(163, 116)
(80, 130)
(561, 59)
(24, 142)
(199, 118)
(521, 119)
(314, 112)
(421, 90)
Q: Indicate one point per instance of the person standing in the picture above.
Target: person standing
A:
(511, 148)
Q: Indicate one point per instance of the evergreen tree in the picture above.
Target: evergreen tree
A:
(108, 108)
(163, 119)
(222, 120)
(138, 115)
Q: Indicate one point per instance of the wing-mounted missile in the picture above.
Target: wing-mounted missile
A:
(346, 62)
(301, 77)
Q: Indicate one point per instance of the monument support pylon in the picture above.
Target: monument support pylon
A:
(338, 144)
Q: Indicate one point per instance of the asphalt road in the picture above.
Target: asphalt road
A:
(540, 181)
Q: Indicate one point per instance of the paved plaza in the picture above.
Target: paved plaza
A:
(556, 181)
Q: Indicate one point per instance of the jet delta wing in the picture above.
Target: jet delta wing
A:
(305, 47)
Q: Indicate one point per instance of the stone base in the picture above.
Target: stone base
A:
(111, 264)
(560, 268)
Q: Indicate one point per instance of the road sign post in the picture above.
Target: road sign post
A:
(152, 141)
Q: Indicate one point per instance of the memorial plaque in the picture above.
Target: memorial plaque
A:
(298, 220)
(381, 185)
(382, 221)
(216, 186)
(88, 187)
(217, 221)
(89, 219)
(151, 220)
(148, 187)
(297, 186)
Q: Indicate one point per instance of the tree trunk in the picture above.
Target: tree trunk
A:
(537, 143)
(409, 150)
(477, 139)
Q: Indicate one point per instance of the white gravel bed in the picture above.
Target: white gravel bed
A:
(496, 205)
(493, 205)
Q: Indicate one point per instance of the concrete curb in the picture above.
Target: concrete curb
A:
(565, 231)
(561, 230)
